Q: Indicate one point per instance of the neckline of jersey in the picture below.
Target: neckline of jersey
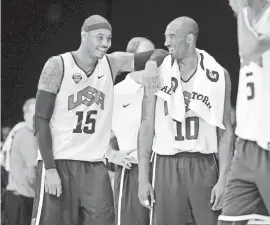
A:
(86, 74)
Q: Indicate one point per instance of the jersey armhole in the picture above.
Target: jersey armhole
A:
(63, 73)
(110, 68)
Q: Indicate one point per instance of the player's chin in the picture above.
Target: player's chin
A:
(100, 54)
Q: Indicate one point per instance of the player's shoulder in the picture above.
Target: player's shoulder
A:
(54, 62)
(227, 79)
(52, 74)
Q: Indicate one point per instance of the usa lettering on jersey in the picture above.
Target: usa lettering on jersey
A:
(88, 96)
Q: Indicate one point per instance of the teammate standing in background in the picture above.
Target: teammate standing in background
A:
(248, 185)
(125, 125)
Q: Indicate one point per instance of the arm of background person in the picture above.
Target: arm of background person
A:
(14, 156)
(251, 43)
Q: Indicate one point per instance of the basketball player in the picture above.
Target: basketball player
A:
(186, 174)
(73, 125)
(125, 125)
(248, 185)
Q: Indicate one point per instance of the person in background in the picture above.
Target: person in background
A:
(22, 172)
(247, 190)
(125, 125)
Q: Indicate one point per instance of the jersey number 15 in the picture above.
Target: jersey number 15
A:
(89, 124)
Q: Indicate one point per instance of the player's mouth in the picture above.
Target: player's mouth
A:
(103, 50)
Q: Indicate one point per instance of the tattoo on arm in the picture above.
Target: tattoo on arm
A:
(51, 75)
(123, 62)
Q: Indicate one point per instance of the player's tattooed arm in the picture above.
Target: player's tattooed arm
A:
(252, 43)
(226, 137)
(51, 75)
(146, 135)
(48, 87)
(128, 62)
(121, 62)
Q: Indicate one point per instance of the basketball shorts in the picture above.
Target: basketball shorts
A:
(86, 197)
(181, 182)
(17, 209)
(248, 184)
(128, 209)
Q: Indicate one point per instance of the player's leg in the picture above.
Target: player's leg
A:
(128, 209)
(263, 174)
(49, 209)
(201, 176)
(171, 196)
(96, 196)
(241, 196)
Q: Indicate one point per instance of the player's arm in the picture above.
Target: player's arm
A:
(48, 87)
(226, 137)
(251, 43)
(146, 135)
(128, 62)
(145, 142)
(225, 148)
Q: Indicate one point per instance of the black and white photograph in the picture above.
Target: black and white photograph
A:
(135, 112)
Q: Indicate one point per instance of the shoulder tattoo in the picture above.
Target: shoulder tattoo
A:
(51, 76)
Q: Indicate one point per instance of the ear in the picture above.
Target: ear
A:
(190, 38)
(84, 35)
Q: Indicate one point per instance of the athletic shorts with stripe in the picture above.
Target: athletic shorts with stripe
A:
(128, 209)
(248, 184)
(181, 181)
(86, 197)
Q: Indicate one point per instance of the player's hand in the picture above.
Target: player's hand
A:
(145, 193)
(151, 80)
(53, 182)
(217, 194)
(121, 158)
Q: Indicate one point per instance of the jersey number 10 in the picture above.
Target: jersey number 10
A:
(89, 124)
(192, 129)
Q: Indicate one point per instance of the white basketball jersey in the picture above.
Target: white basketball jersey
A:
(193, 134)
(126, 122)
(82, 117)
(253, 102)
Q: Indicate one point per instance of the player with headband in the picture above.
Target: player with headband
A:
(73, 125)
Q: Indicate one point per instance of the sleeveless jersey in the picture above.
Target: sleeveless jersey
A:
(82, 117)
(193, 134)
(253, 102)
